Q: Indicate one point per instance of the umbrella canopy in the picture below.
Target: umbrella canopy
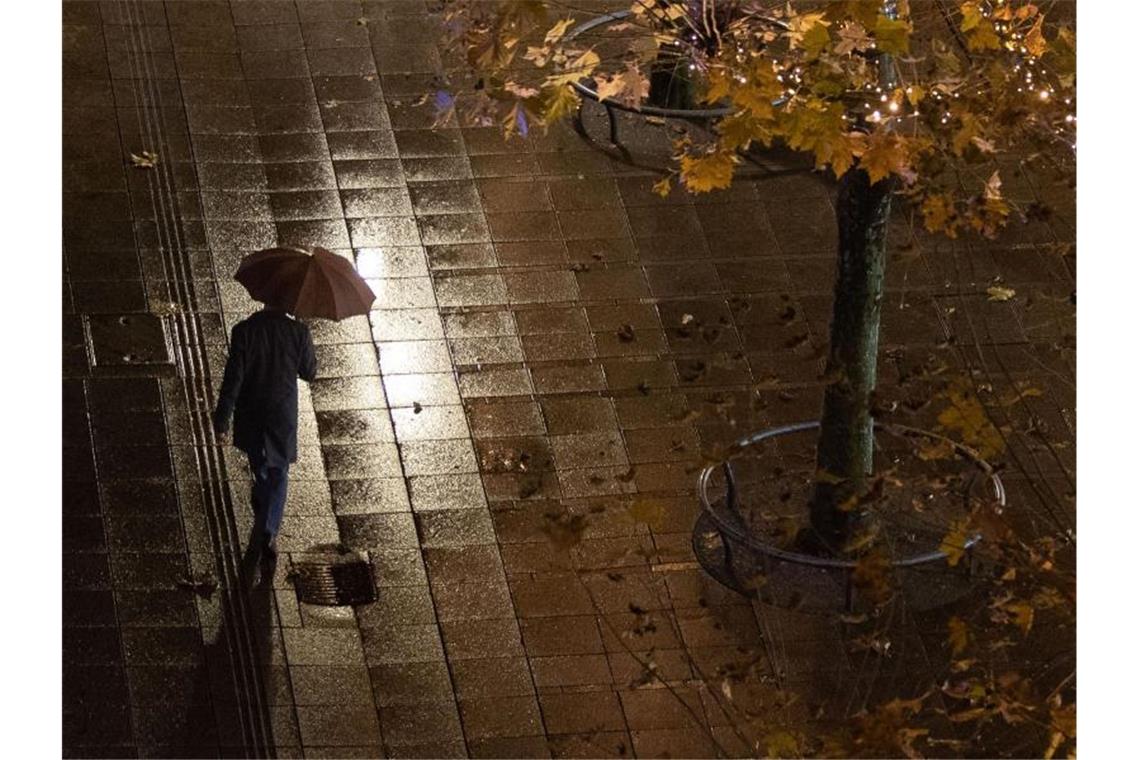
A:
(320, 284)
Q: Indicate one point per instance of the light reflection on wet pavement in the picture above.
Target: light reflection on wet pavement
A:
(551, 341)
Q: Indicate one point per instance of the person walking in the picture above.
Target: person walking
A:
(268, 352)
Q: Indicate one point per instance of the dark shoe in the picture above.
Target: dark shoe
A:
(268, 546)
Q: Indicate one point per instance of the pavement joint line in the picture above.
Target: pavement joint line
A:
(247, 678)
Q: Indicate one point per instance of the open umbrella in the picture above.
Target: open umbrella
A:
(320, 284)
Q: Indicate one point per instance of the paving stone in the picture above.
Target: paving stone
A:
(582, 712)
(551, 340)
(500, 717)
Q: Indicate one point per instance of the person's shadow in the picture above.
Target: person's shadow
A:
(229, 712)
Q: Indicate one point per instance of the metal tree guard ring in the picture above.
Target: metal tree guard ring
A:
(726, 520)
(643, 110)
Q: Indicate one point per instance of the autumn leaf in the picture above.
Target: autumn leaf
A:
(971, 15)
(872, 576)
(938, 213)
(815, 40)
(964, 136)
(648, 511)
(906, 738)
(983, 37)
(959, 635)
(799, 25)
(1063, 56)
(1022, 613)
(819, 128)
(663, 186)
(968, 715)
(992, 190)
(147, 160)
(516, 122)
(892, 35)
(522, 92)
(558, 101)
(1063, 722)
(1035, 40)
(885, 154)
(719, 85)
(739, 130)
(966, 416)
(580, 68)
(852, 37)
(999, 293)
(539, 56)
(607, 87)
(711, 172)
(635, 85)
(557, 31)
(781, 744)
(953, 544)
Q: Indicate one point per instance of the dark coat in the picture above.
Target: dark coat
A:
(268, 352)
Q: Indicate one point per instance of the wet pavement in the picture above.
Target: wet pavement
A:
(511, 437)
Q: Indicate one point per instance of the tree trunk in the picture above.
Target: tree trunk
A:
(846, 443)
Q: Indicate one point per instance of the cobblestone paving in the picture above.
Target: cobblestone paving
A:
(552, 345)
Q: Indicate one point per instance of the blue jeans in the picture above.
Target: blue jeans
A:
(270, 484)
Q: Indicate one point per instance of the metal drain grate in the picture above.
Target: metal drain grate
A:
(334, 584)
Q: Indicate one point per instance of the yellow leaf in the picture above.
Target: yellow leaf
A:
(983, 37)
(971, 15)
(663, 186)
(781, 744)
(953, 544)
(915, 94)
(648, 511)
(712, 172)
(1035, 40)
(802, 23)
(959, 635)
(885, 154)
(892, 35)
(758, 92)
(537, 55)
(1026, 11)
(819, 128)
(1063, 718)
(1022, 615)
(719, 85)
(557, 102)
(998, 293)
(737, 131)
(583, 66)
(938, 213)
(815, 40)
(966, 133)
(558, 30)
(607, 87)
(966, 416)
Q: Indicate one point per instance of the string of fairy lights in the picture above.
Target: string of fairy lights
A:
(880, 103)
